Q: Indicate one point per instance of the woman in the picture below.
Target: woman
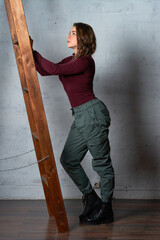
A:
(89, 130)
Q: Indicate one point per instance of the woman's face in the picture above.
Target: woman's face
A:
(72, 39)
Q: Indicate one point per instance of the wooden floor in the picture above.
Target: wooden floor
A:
(28, 220)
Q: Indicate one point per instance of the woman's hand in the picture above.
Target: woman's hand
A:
(31, 41)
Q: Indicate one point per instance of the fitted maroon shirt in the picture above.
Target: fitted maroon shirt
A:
(76, 76)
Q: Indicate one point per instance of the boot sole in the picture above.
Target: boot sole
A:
(110, 220)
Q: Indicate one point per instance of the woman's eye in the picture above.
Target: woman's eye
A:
(72, 33)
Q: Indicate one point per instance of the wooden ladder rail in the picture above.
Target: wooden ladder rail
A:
(36, 113)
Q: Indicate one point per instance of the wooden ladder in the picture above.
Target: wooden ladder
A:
(36, 113)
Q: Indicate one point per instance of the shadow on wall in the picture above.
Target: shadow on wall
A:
(131, 92)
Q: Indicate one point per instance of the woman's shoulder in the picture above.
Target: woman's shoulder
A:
(86, 59)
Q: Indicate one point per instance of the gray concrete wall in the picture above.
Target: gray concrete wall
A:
(127, 80)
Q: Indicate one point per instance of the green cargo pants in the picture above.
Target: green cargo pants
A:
(89, 131)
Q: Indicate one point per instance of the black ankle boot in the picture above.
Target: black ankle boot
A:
(91, 202)
(104, 215)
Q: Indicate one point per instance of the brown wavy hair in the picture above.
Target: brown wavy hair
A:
(86, 39)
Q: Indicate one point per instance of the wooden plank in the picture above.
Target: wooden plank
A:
(36, 112)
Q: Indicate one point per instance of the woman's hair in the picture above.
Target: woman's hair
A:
(86, 39)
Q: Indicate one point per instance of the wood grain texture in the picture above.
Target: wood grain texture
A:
(36, 112)
(28, 220)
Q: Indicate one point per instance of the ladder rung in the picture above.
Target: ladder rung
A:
(25, 89)
(16, 42)
(35, 136)
(44, 179)
(19, 59)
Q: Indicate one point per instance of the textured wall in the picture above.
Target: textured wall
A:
(127, 80)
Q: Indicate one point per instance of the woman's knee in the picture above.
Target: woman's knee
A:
(63, 160)
(66, 160)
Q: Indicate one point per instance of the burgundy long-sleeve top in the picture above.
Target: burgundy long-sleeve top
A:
(76, 76)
